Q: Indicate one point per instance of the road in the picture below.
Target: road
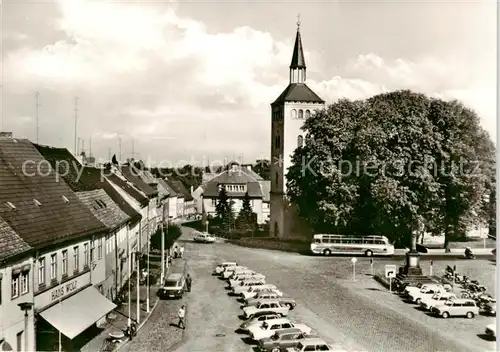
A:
(352, 316)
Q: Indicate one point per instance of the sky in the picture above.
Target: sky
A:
(176, 82)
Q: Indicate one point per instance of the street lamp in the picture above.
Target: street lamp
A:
(26, 307)
(138, 304)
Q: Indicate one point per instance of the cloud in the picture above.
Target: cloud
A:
(179, 88)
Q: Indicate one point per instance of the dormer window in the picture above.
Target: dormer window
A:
(11, 206)
(65, 199)
(37, 202)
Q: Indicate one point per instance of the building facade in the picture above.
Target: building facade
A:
(43, 210)
(238, 181)
(16, 287)
(288, 113)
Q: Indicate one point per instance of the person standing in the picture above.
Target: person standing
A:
(181, 314)
(189, 280)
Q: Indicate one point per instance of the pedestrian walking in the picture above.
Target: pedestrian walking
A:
(181, 314)
(189, 280)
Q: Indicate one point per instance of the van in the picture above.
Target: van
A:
(174, 286)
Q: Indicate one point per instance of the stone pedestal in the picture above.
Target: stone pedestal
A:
(412, 266)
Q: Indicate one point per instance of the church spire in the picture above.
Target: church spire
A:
(298, 64)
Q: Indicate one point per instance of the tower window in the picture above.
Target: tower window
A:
(276, 179)
(300, 141)
(294, 114)
(277, 141)
(301, 114)
(308, 114)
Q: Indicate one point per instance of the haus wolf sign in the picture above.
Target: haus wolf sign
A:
(63, 290)
(390, 271)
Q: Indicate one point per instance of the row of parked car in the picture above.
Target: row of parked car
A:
(265, 310)
(440, 300)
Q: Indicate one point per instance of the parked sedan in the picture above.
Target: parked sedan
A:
(310, 344)
(273, 306)
(220, 268)
(254, 290)
(459, 307)
(428, 302)
(244, 277)
(290, 302)
(281, 339)
(268, 329)
(244, 285)
(258, 320)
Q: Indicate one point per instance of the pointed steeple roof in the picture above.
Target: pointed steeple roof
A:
(298, 60)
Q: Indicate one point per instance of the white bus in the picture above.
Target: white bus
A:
(327, 244)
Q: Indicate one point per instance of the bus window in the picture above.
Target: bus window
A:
(368, 241)
(357, 241)
(317, 240)
(379, 242)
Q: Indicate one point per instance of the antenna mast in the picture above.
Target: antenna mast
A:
(79, 144)
(133, 150)
(90, 146)
(37, 95)
(109, 154)
(120, 148)
(76, 119)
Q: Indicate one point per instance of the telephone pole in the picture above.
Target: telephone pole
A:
(76, 119)
(37, 95)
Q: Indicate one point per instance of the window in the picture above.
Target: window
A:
(41, 271)
(15, 286)
(24, 281)
(92, 251)
(301, 114)
(276, 179)
(53, 267)
(76, 258)
(277, 141)
(310, 348)
(294, 114)
(64, 268)
(300, 141)
(99, 248)
(86, 255)
(308, 114)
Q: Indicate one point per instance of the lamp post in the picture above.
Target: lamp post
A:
(129, 321)
(137, 258)
(26, 307)
(147, 270)
(162, 278)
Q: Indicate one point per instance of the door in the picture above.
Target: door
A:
(19, 342)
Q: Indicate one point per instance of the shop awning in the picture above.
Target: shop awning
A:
(78, 312)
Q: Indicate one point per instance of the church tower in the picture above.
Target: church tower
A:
(297, 103)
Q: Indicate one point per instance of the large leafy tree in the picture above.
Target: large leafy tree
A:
(395, 164)
(247, 219)
(263, 168)
(224, 210)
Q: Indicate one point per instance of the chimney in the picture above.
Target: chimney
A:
(5, 135)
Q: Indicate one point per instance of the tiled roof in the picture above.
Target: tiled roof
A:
(83, 178)
(175, 187)
(180, 188)
(132, 173)
(298, 92)
(103, 208)
(253, 188)
(10, 243)
(257, 187)
(169, 190)
(46, 210)
(129, 189)
(148, 177)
